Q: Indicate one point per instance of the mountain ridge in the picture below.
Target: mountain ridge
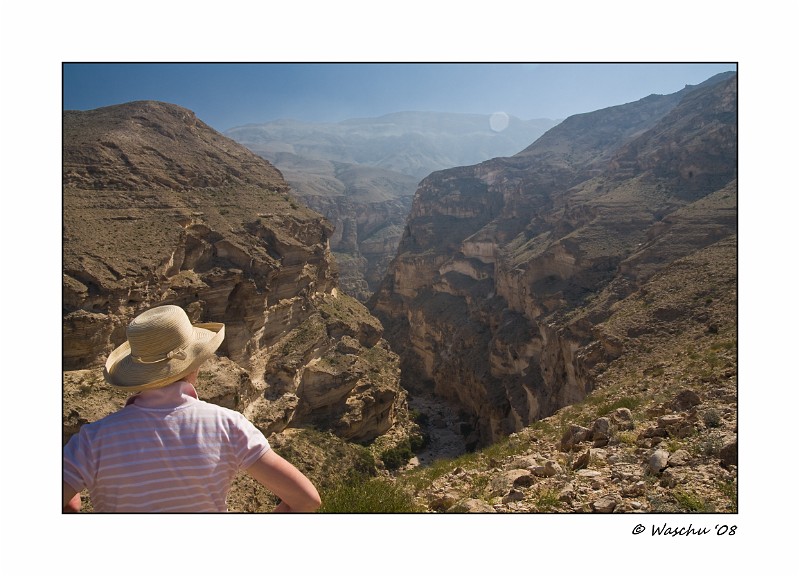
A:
(529, 241)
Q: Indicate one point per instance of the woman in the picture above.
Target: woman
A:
(166, 450)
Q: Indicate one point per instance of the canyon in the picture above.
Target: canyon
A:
(509, 271)
(565, 315)
(361, 173)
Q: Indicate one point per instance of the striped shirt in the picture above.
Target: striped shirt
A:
(165, 451)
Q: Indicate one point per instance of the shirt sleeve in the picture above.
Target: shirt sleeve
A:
(77, 466)
(252, 445)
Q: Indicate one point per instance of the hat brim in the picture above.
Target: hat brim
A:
(121, 371)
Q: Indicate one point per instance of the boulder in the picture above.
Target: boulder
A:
(472, 506)
(686, 399)
(604, 505)
(658, 461)
(729, 454)
(622, 419)
(574, 436)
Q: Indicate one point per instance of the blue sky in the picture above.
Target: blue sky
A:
(228, 95)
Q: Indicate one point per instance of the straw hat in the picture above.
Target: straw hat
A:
(162, 347)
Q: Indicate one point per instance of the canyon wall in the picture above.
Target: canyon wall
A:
(161, 209)
(507, 269)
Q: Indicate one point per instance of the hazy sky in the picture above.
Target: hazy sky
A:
(228, 95)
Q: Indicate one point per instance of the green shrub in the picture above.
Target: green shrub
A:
(691, 502)
(419, 441)
(627, 402)
(708, 444)
(371, 496)
(547, 500)
(394, 458)
(712, 418)
(419, 417)
(729, 489)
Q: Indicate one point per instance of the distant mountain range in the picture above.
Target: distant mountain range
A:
(411, 143)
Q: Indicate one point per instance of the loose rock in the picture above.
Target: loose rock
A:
(658, 461)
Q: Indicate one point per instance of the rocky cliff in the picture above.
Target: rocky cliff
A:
(508, 270)
(158, 208)
(367, 207)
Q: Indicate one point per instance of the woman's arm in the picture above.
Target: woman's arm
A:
(277, 475)
(71, 499)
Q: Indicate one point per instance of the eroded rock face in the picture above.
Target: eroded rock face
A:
(365, 236)
(160, 209)
(508, 269)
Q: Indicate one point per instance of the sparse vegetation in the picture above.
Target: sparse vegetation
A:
(627, 402)
(546, 500)
(373, 495)
(712, 418)
(708, 444)
(730, 490)
(692, 502)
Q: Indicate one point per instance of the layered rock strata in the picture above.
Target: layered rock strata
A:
(161, 209)
(366, 233)
(507, 270)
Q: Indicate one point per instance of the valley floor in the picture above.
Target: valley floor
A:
(446, 440)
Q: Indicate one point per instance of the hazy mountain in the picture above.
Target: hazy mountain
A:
(362, 173)
(411, 143)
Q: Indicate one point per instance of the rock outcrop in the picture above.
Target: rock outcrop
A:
(508, 270)
(161, 209)
(367, 207)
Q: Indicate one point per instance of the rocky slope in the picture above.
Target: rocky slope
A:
(158, 208)
(509, 271)
(361, 173)
(658, 432)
